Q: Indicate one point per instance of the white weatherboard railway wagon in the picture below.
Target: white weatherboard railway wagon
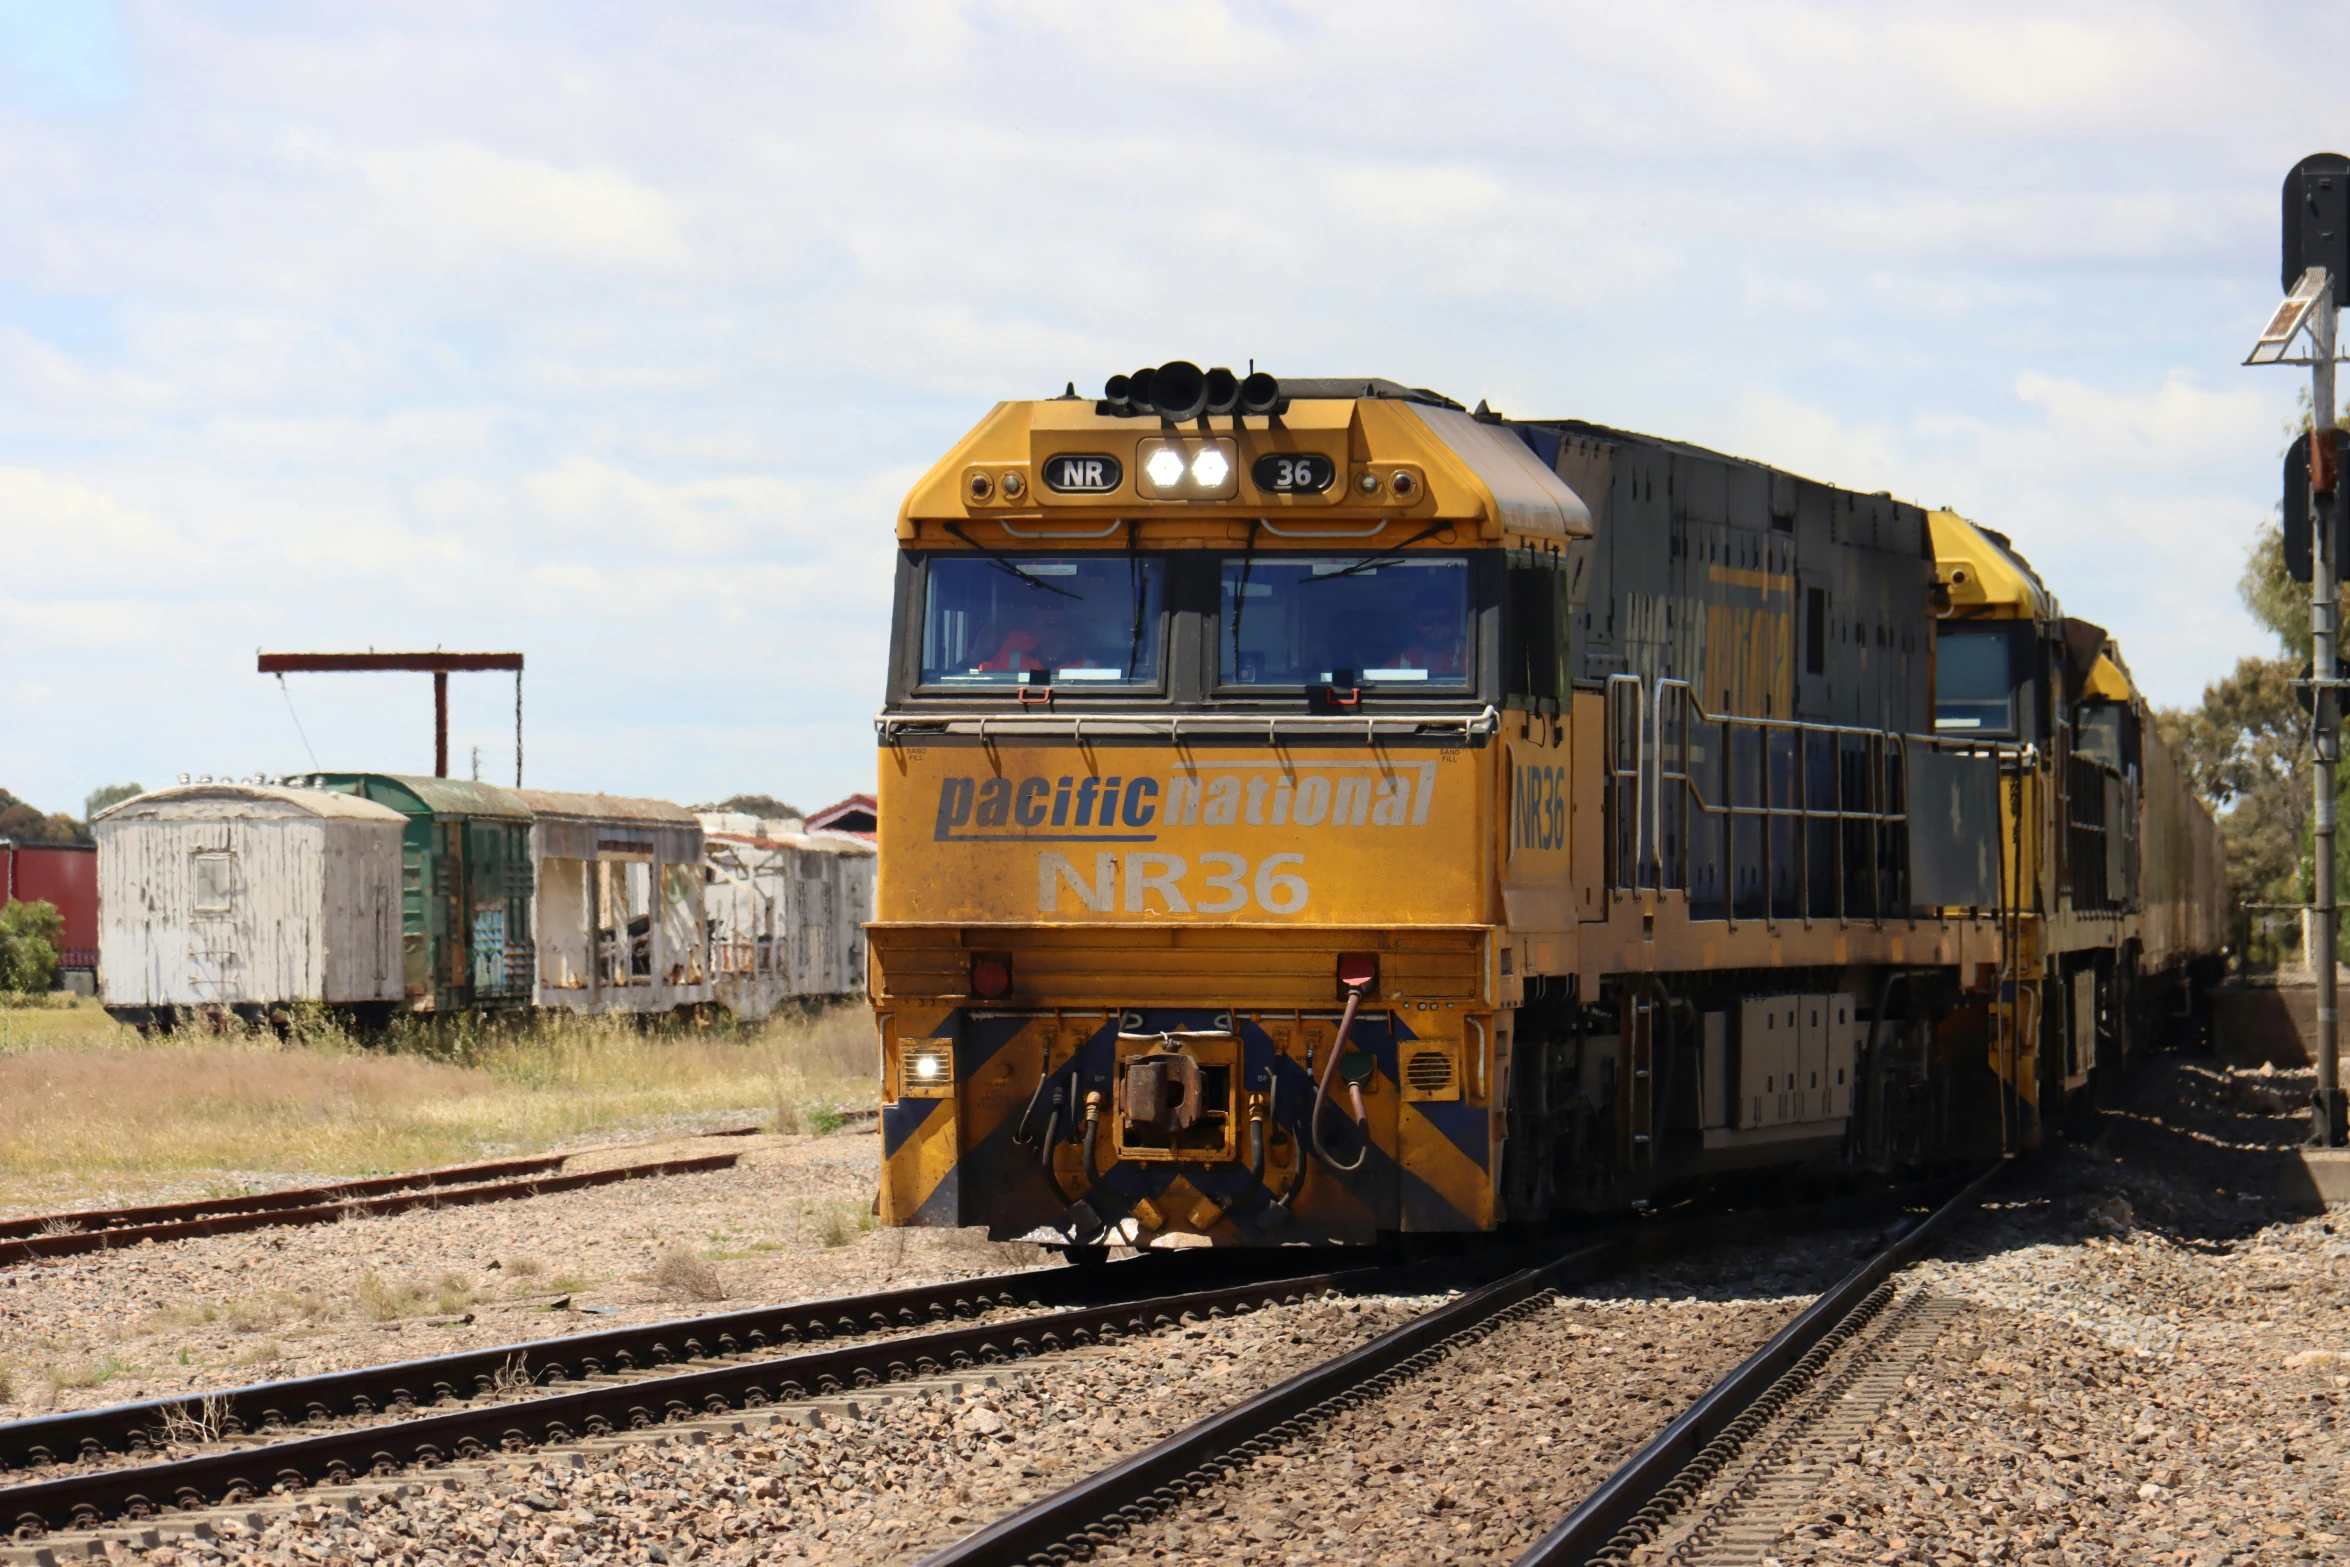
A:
(247, 898)
(787, 912)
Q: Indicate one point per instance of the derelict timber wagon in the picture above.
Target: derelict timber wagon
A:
(1315, 811)
(378, 893)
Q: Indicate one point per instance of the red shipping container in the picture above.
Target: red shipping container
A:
(65, 874)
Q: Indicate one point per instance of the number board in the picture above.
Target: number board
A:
(1294, 473)
(1083, 473)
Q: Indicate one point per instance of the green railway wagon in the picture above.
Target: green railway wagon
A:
(465, 888)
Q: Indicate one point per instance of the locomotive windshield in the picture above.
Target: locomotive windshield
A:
(1974, 681)
(1360, 620)
(1030, 620)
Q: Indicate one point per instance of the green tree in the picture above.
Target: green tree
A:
(761, 805)
(104, 795)
(29, 937)
(23, 823)
(2243, 750)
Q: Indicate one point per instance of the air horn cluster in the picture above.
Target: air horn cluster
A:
(1181, 390)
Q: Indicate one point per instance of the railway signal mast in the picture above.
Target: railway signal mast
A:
(2315, 272)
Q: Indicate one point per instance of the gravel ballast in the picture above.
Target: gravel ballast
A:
(2149, 1366)
(2147, 1363)
(157, 1321)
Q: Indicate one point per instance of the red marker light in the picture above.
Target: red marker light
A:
(991, 976)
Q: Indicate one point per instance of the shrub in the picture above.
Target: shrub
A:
(29, 935)
(681, 1274)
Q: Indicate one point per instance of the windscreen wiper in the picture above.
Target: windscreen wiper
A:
(1374, 562)
(1134, 577)
(1248, 558)
(1003, 564)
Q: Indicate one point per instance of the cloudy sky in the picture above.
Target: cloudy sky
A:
(614, 333)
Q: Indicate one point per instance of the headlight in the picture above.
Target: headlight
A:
(926, 1068)
(1187, 468)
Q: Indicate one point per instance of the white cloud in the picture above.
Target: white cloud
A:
(618, 335)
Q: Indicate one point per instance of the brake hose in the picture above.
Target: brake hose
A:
(1346, 1022)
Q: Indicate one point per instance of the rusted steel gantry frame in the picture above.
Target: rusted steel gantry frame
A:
(438, 665)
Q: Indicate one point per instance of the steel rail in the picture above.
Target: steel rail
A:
(1068, 1522)
(92, 1221)
(368, 1390)
(1647, 1486)
(329, 1212)
(93, 1497)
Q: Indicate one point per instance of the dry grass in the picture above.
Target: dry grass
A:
(86, 1373)
(197, 1422)
(382, 1300)
(840, 1222)
(79, 1093)
(681, 1275)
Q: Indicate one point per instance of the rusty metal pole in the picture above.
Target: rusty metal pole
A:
(440, 723)
(2325, 610)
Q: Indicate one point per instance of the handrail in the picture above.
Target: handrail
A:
(1485, 721)
(1657, 764)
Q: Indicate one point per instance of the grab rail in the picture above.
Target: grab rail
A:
(1654, 775)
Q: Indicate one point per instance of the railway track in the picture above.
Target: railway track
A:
(383, 1419)
(109, 1229)
(1620, 1516)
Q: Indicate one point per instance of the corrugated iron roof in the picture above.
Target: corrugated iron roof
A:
(834, 842)
(604, 807)
(317, 802)
(441, 796)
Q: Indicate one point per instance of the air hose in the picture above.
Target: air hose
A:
(1346, 1023)
(1087, 1141)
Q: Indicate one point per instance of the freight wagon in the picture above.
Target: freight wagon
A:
(243, 899)
(787, 912)
(65, 876)
(619, 904)
(465, 888)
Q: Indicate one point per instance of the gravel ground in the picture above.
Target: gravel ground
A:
(2151, 1366)
(787, 1223)
(889, 1485)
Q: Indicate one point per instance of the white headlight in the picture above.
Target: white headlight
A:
(927, 1066)
(1165, 467)
(1209, 468)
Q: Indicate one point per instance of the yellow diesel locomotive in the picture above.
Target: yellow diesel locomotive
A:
(1312, 811)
